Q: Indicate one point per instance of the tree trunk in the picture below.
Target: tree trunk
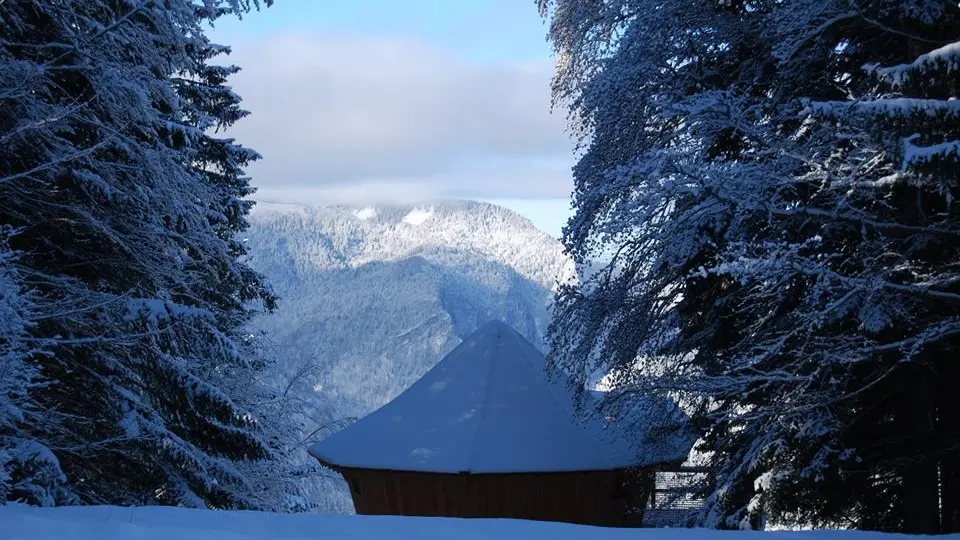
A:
(948, 431)
(916, 419)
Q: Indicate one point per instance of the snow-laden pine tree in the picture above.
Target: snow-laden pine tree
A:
(126, 207)
(883, 315)
(783, 252)
(28, 468)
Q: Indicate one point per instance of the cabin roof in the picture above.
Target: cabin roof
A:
(487, 407)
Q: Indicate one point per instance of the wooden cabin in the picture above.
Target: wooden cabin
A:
(486, 434)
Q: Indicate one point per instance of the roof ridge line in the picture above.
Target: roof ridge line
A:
(483, 406)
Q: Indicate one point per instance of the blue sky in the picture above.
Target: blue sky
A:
(487, 30)
(379, 101)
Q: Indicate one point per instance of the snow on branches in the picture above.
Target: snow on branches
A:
(126, 207)
(779, 233)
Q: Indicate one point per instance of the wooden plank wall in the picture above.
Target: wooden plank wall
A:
(589, 497)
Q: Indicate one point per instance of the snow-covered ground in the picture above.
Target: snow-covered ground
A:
(165, 523)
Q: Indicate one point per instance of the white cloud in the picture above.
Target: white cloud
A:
(353, 119)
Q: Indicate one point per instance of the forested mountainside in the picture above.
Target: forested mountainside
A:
(375, 296)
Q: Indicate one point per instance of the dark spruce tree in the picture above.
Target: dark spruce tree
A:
(774, 185)
(28, 467)
(886, 150)
(125, 209)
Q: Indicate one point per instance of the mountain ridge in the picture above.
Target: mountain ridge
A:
(376, 295)
(369, 233)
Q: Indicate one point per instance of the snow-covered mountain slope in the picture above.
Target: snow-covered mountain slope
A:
(377, 296)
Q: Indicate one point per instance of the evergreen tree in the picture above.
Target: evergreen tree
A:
(126, 210)
(785, 253)
(885, 271)
(28, 468)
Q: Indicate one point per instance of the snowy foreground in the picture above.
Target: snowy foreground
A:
(115, 523)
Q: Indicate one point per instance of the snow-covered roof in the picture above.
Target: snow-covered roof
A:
(487, 407)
